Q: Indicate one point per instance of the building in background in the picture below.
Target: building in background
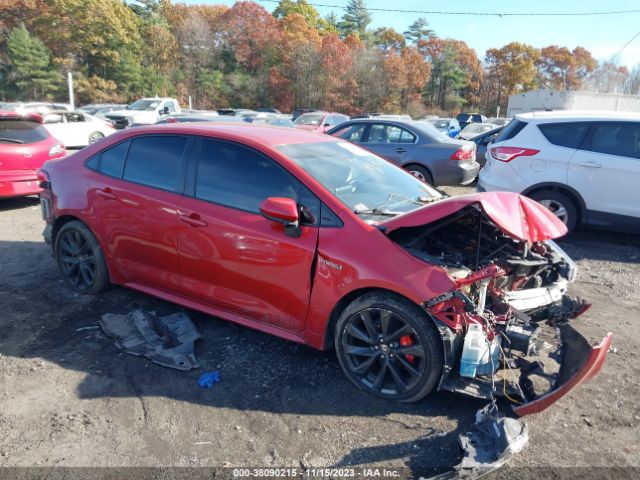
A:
(540, 100)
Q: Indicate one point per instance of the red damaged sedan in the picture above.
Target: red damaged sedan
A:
(24, 147)
(321, 242)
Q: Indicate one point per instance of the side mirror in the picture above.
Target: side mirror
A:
(165, 111)
(327, 125)
(284, 211)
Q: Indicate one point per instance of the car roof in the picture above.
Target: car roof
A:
(11, 115)
(578, 115)
(264, 134)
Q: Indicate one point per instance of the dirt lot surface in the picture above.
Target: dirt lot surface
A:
(68, 397)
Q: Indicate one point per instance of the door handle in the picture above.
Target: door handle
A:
(590, 164)
(401, 150)
(106, 193)
(194, 220)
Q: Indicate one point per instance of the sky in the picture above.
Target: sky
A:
(603, 36)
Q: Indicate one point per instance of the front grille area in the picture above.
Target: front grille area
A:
(119, 122)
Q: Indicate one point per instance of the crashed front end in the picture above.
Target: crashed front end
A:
(511, 296)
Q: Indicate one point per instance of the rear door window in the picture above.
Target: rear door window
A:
(511, 130)
(21, 132)
(389, 134)
(616, 138)
(238, 177)
(352, 133)
(566, 134)
(155, 161)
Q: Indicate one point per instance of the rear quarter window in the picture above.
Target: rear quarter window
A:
(565, 134)
(511, 130)
(21, 132)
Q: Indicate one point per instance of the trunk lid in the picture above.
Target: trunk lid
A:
(24, 142)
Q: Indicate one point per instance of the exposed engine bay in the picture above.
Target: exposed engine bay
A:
(505, 329)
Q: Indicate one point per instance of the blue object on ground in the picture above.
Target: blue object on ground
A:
(207, 380)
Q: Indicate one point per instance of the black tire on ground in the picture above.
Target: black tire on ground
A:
(80, 258)
(421, 172)
(371, 353)
(560, 204)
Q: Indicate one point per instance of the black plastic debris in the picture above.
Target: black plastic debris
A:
(490, 443)
(167, 341)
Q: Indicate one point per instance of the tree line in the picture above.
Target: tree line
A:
(245, 56)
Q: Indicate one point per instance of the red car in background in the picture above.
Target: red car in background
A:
(321, 242)
(319, 122)
(24, 147)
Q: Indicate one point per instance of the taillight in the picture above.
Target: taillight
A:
(44, 181)
(57, 149)
(506, 154)
(465, 152)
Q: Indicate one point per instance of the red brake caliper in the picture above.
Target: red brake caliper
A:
(405, 342)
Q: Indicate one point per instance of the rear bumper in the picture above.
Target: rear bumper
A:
(579, 363)
(18, 184)
(460, 173)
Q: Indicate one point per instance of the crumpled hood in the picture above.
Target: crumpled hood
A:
(514, 214)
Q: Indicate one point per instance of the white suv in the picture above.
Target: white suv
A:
(583, 166)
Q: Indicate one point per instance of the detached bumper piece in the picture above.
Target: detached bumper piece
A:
(488, 444)
(579, 362)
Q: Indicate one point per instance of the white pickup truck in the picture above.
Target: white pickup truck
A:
(143, 112)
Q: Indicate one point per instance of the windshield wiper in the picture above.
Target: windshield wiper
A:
(11, 140)
(376, 211)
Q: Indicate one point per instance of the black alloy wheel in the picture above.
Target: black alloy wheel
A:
(80, 258)
(389, 348)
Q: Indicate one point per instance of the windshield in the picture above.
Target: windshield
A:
(431, 130)
(144, 105)
(474, 129)
(21, 132)
(366, 183)
(309, 119)
(440, 123)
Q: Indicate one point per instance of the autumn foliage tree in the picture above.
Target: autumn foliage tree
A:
(245, 56)
(511, 69)
(560, 68)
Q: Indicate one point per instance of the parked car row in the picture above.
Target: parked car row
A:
(418, 147)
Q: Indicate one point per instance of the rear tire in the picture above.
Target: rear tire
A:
(389, 347)
(80, 259)
(420, 173)
(94, 137)
(560, 204)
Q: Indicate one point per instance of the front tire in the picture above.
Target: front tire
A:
(387, 346)
(80, 259)
(560, 204)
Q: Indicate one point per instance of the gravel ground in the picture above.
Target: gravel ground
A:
(69, 398)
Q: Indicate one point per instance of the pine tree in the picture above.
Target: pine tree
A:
(128, 75)
(31, 66)
(418, 30)
(356, 19)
